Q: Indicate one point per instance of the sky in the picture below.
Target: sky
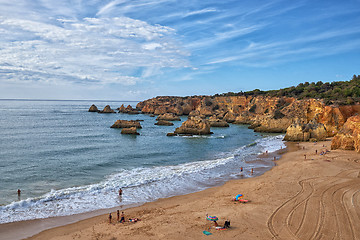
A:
(139, 49)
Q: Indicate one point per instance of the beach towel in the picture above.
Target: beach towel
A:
(207, 233)
(220, 228)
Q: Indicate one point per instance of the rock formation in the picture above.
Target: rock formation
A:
(93, 108)
(107, 109)
(311, 131)
(122, 108)
(129, 109)
(348, 138)
(131, 130)
(164, 123)
(171, 134)
(215, 122)
(168, 117)
(126, 124)
(194, 126)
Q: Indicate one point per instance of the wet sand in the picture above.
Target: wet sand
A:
(313, 198)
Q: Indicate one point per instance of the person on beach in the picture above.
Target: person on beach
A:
(118, 215)
(122, 220)
(19, 193)
(120, 192)
(110, 217)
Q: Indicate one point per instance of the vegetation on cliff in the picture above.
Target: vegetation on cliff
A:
(341, 92)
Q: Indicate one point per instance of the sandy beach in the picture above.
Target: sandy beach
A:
(312, 197)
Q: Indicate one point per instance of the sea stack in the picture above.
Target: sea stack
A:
(131, 130)
(126, 124)
(107, 109)
(93, 108)
(168, 117)
(194, 126)
(164, 123)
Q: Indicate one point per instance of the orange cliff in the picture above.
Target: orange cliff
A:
(348, 137)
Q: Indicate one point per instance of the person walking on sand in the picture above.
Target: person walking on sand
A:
(122, 220)
(110, 217)
(118, 215)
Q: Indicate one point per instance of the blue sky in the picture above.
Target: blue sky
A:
(134, 50)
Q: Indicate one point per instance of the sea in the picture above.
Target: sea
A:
(66, 160)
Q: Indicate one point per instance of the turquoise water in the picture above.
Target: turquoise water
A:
(67, 160)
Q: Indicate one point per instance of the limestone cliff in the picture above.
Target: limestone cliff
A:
(262, 113)
(348, 137)
(299, 131)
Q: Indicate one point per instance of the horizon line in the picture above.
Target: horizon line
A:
(77, 100)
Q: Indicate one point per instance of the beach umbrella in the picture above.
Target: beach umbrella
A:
(238, 196)
(212, 218)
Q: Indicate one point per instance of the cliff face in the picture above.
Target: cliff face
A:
(264, 114)
(348, 137)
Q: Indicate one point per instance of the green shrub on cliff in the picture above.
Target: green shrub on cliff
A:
(341, 92)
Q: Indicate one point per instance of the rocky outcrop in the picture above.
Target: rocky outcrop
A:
(348, 137)
(129, 109)
(168, 117)
(93, 108)
(164, 123)
(171, 134)
(131, 130)
(107, 109)
(230, 117)
(122, 108)
(311, 131)
(215, 122)
(194, 126)
(126, 124)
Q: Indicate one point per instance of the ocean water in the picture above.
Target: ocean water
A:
(67, 160)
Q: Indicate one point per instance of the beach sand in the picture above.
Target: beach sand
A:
(313, 198)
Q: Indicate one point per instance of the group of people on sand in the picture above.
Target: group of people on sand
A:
(120, 220)
(121, 217)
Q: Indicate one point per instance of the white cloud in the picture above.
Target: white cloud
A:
(86, 50)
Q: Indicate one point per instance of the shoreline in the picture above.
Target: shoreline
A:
(280, 201)
(33, 227)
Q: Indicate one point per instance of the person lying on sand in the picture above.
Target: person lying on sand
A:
(134, 220)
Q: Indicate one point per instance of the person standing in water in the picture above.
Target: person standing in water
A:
(19, 193)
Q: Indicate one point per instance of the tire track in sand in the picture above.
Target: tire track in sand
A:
(324, 208)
